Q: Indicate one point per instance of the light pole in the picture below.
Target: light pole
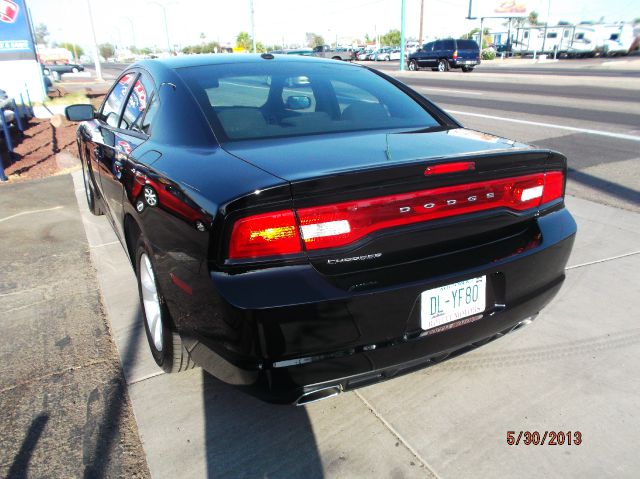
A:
(402, 42)
(253, 28)
(133, 31)
(96, 53)
(166, 24)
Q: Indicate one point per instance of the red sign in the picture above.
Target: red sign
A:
(8, 11)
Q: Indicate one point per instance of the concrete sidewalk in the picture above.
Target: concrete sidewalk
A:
(574, 369)
(63, 403)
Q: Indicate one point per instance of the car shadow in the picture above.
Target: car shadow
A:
(608, 187)
(246, 437)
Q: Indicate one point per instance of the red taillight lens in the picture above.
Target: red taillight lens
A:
(269, 234)
(340, 224)
(344, 223)
(553, 186)
(455, 55)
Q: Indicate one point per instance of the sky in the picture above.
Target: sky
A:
(288, 20)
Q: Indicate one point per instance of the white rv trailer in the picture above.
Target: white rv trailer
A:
(618, 38)
(542, 39)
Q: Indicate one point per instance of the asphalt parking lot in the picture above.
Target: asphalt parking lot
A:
(573, 369)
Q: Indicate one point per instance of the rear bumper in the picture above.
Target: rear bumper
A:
(334, 337)
(464, 63)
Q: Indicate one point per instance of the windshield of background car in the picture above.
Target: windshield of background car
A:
(269, 99)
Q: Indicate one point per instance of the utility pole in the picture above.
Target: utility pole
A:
(420, 38)
(166, 24)
(133, 31)
(402, 42)
(96, 52)
(253, 28)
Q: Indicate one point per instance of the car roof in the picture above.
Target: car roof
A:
(184, 61)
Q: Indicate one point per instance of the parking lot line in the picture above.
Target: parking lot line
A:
(620, 136)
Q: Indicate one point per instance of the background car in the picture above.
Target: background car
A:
(61, 68)
(299, 239)
(387, 54)
(442, 55)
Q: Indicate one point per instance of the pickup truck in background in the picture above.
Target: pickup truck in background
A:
(325, 51)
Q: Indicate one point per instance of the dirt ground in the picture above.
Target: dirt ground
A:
(43, 150)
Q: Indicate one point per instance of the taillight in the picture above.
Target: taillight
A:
(455, 54)
(269, 234)
(340, 224)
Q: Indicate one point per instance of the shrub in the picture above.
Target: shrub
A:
(488, 55)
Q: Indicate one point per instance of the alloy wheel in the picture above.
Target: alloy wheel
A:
(151, 301)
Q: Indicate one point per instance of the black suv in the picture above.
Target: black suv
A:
(442, 55)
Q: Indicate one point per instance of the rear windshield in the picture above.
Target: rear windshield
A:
(467, 45)
(268, 99)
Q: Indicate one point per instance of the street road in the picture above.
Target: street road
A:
(593, 119)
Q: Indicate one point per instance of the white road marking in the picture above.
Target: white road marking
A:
(620, 136)
(448, 90)
(30, 213)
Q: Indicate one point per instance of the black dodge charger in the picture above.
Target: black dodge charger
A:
(301, 227)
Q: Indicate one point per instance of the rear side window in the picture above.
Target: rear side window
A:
(268, 100)
(113, 104)
(448, 45)
(467, 45)
(144, 123)
(137, 103)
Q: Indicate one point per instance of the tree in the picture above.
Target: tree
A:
(243, 40)
(106, 50)
(314, 40)
(391, 38)
(77, 50)
(41, 32)
(532, 19)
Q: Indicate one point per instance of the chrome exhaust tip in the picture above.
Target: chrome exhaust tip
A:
(318, 395)
(523, 323)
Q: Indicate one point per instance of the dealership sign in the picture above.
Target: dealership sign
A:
(15, 30)
(504, 8)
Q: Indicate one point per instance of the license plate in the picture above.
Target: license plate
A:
(469, 62)
(452, 302)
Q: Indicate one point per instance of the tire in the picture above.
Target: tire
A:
(166, 345)
(74, 70)
(89, 190)
(443, 65)
(467, 69)
(413, 66)
(387, 58)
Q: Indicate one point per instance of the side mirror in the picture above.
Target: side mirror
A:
(81, 112)
(298, 102)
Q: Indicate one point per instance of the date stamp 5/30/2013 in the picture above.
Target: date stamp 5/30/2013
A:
(544, 438)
